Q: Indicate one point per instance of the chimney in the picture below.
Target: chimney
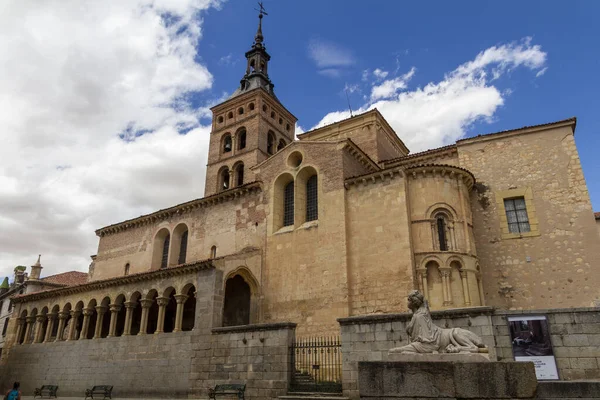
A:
(20, 274)
(36, 269)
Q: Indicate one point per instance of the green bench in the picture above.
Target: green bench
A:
(228, 389)
(104, 390)
(45, 390)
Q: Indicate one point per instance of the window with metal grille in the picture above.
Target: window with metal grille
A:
(227, 144)
(516, 214)
(240, 175)
(242, 140)
(127, 269)
(5, 327)
(183, 248)
(165, 252)
(312, 199)
(288, 204)
(441, 230)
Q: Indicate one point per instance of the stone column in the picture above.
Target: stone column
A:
(87, 313)
(446, 286)
(100, 310)
(114, 313)
(62, 318)
(162, 306)
(423, 282)
(180, 299)
(20, 324)
(39, 326)
(30, 321)
(50, 327)
(73, 327)
(146, 304)
(465, 287)
(129, 307)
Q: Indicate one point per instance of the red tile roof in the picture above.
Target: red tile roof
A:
(597, 215)
(70, 278)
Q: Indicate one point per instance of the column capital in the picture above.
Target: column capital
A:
(115, 308)
(30, 319)
(181, 298)
(162, 301)
(75, 313)
(445, 272)
(146, 303)
(101, 309)
(463, 274)
(40, 318)
(51, 316)
(21, 320)
(64, 315)
(130, 304)
(88, 312)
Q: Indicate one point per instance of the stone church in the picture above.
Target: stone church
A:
(336, 222)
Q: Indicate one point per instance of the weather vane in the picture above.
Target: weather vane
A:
(261, 11)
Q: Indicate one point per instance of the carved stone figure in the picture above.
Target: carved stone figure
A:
(425, 337)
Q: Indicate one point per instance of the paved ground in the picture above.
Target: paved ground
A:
(81, 398)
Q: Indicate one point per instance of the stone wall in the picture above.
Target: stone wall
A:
(575, 336)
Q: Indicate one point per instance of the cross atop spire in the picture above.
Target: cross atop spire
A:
(258, 39)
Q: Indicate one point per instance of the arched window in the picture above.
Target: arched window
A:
(441, 231)
(287, 127)
(251, 106)
(230, 115)
(236, 307)
(264, 108)
(241, 139)
(270, 142)
(312, 199)
(273, 114)
(213, 252)
(241, 110)
(288, 204)
(239, 175)
(220, 119)
(165, 252)
(183, 248)
(127, 269)
(224, 179)
(227, 144)
(281, 144)
(252, 66)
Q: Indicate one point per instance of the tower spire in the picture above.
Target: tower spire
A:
(258, 38)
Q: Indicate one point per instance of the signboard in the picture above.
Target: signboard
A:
(530, 336)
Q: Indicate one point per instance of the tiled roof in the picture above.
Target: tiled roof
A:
(70, 278)
(420, 154)
(597, 215)
(572, 120)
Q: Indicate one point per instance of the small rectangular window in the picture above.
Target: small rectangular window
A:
(516, 214)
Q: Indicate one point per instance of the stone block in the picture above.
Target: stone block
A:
(584, 363)
(575, 340)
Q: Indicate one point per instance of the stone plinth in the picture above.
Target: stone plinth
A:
(439, 357)
(446, 379)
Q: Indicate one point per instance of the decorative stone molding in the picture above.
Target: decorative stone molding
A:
(118, 281)
(374, 177)
(180, 209)
(442, 170)
(255, 327)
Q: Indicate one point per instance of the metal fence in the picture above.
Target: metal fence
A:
(316, 364)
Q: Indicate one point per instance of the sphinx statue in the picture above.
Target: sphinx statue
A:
(425, 337)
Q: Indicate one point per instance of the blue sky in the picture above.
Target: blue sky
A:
(434, 37)
(105, 105)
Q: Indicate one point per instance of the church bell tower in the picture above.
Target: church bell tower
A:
(249, 126)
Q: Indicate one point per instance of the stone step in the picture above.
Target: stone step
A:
(313, 396)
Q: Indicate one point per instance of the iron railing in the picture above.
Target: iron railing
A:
(316, 364)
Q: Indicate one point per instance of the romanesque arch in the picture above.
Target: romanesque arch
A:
(241, 298)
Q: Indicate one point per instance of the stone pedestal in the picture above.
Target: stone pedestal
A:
(459, 378)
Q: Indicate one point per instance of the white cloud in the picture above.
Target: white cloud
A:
(541, 72)
(440, 112)
(380, 74)
(330, 72)
(227, 60)
(327, 54)
(391, 86)
(74, 76)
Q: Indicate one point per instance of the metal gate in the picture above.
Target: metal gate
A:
(316, 365)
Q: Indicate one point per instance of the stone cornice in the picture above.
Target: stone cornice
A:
(254, 327)
(442, 169)
(406, 316)
(121, 280)
(182, 208)
(373, 177)
(360, 155)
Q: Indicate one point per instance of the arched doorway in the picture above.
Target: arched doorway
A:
(236, 310)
